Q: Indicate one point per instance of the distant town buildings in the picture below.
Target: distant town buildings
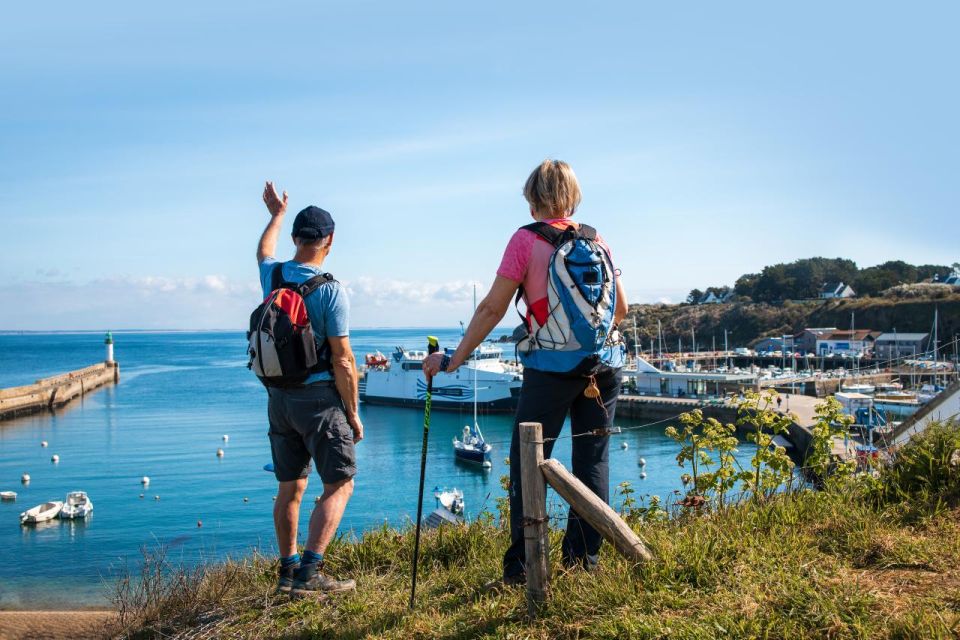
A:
(833, 290)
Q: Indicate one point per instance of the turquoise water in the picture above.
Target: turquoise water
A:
(179, 394)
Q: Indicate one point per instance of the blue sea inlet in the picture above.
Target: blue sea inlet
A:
(179, 394)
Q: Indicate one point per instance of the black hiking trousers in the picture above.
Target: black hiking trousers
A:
(547, 398)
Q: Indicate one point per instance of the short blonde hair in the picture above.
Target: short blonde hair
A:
(552, 188)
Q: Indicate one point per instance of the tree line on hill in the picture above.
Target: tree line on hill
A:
(803, 279)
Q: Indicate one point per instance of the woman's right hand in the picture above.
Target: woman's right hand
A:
(432, 364)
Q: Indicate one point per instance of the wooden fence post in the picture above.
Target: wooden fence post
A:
(534, 518)
(595, 511)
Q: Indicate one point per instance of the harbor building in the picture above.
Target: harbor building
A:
(891, 346)
(847, 343)
(646, 379)
(777, 343)
(806, 340)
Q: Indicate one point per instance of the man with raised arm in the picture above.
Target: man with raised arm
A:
(317, 420)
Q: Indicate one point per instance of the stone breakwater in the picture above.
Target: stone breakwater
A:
(49, 394)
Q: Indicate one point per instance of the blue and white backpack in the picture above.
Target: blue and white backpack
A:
(578, 336)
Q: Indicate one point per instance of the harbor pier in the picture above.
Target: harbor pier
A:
(800, 433)
(49, 394)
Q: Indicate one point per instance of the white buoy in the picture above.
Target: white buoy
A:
(199, 523)
(642, 462)
(226, 438)
(624, 445)
(156, 497)
(274, 498)
(219, 453)
(55, 459)
(685, 478)
(25, 478)
(43, 443)
(145, 480)
(246, 499)
(643, 474)
(141, 495)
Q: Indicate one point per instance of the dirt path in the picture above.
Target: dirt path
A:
(52, 625)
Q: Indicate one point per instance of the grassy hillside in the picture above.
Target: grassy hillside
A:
(746, 322)
(873, 558)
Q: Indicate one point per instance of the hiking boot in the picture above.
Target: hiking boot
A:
(285, 583)
(311, 580)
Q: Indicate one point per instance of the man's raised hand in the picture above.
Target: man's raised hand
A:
(275, 205)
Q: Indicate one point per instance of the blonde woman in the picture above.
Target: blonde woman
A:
(570, 347)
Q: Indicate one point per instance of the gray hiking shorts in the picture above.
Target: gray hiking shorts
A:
(309, 422)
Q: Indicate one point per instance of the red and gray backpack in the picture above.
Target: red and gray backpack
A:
(283, 350)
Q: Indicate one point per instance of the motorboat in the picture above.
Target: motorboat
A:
(77, 506)
(863, 388)
(41, 513)
(8, 495)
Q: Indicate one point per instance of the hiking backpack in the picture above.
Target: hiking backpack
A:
(578, 335)
(283, 349)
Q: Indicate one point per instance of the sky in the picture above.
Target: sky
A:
(710, 139)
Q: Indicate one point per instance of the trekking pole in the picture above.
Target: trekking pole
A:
(433, 345)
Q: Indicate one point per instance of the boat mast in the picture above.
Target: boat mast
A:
(936, 346)
(476, 361)
(726, 349)
(660, 340)
(853, 335)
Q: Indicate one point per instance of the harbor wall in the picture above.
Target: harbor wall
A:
(823, 387)
(49, 394)
(655, 409)
(661, 408)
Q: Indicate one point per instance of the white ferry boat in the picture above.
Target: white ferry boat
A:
(399, 381)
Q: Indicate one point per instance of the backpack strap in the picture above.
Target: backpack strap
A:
(314, 283)
(546, 231)
(276, 276)
(556, 236)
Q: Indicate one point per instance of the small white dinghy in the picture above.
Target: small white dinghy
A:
(449, 508)
(77, 507)
(8, 495)
(451, 500)
(41, 512)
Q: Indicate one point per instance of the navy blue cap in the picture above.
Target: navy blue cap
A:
(313, 223)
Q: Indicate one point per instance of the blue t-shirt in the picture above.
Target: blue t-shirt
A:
(328, 307)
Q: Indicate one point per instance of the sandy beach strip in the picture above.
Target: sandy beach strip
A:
(53, 625)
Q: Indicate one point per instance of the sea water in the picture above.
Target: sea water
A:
(179, 394)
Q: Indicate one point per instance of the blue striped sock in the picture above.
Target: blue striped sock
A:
(290, 561)
(310, 557)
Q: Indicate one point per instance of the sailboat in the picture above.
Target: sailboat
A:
(471, 447)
